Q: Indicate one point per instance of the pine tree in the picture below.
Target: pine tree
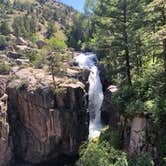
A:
(117, 24)
(4, 28)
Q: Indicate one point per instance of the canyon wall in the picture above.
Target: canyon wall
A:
(45, 122)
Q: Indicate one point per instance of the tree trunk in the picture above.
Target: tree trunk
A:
(164, 53)
(128, 66)
(138, 65)
(127, 57)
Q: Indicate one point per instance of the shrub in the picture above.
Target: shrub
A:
(56, 43)
(3, 42)
(4, 28)
(40, 59)
(147, 95)
(4, 68)
(101, 154)
(142, 160)
(113, 137)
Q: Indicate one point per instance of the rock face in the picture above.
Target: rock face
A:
(137, 135)
(109, 113)
(45, 123)
(136, 132)
(5, 148)
(142, 137)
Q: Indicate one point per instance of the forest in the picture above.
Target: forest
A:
(130, 37)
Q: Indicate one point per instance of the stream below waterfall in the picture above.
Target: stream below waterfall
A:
(95, 93)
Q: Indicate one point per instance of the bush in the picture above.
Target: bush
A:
(147, 95)
(4, 28)
(143, 160)
(56, 43)
(113, 137)
(101, 154)
(4, 68)
(39, 59)
(3, 42)
(24, 26)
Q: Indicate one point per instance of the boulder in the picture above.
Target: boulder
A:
(21, 41)
(13, 55)
(40, 44)
(3, 57)
(109, 113)
(22, 61)
(46, 123)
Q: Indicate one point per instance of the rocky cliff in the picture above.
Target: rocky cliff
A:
(136, 132)
(45, 123)
(5, 146)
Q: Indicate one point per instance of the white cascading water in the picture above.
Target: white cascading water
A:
(88, 61)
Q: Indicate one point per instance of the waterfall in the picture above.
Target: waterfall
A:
(95, 93)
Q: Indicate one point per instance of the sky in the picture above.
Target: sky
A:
(76, 4)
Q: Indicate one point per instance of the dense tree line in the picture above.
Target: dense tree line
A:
(130, 37)
(125, 32)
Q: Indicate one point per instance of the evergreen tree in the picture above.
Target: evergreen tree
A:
(158, 20)
(4, 28)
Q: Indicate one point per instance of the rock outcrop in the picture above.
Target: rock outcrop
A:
(136, 133)
(5, 148)
(142, 137)
(45, 122)
(109, 113)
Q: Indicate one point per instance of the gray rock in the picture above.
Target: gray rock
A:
(13, 55)
(45, 123)
(21, 41)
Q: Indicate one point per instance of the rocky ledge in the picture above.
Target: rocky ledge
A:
(45, 122)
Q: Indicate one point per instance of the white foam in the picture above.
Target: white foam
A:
(95, 93)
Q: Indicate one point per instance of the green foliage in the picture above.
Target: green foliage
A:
(32, 55)
(56, 43)
(56, 64)
(34, 37)
(147, 95)
(4, 68)
(79, 33)
(104, 152)
(39, 59)
(3, 42)
(101, 154)
(162, 149)
(4, 28)
(24, 26)
(113, 137)
(143, 160)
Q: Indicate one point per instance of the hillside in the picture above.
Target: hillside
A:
(32, 29)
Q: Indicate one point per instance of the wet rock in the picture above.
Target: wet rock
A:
(109, 112)
(103, 76)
